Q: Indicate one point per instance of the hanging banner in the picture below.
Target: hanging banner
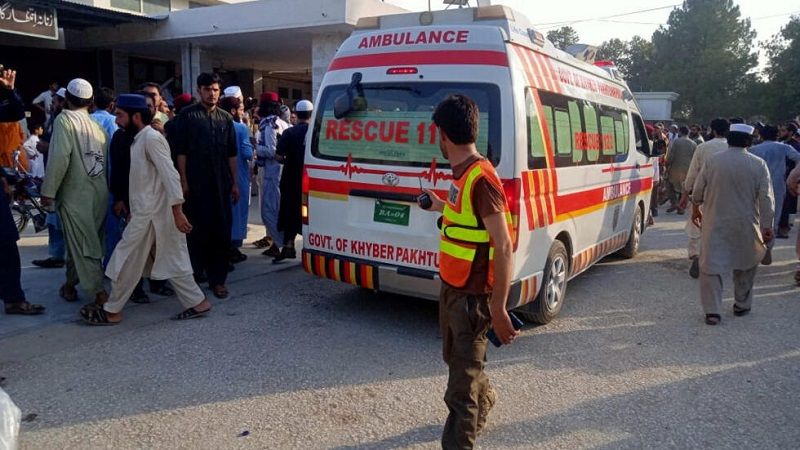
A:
(31, 21)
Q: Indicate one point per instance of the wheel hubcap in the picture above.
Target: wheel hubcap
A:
(555, 284)
(637, 230)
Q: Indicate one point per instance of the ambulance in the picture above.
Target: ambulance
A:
(564, 135)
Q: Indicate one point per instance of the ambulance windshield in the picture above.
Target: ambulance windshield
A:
(395, 127)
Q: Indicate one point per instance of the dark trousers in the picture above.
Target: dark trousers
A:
(789, 207)
(10, 273)
(464, 321)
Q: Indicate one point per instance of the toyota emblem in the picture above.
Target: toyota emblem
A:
(391, 179)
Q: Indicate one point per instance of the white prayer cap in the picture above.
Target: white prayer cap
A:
(61, 92)
(80, 88)
(304, 106)
(233, 91)
(741, 128)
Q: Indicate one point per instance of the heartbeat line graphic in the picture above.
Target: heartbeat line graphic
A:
(348, 168)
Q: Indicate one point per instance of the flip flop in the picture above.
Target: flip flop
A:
(24, 309)
(190, 313)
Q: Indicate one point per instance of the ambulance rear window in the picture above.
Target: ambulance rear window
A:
(396, 127)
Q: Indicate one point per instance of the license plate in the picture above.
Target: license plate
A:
(393, 213)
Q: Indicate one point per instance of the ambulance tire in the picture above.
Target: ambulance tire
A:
(631, 248)
(547, 304)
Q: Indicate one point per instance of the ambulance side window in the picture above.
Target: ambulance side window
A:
(592, 144)
(537, 158)
(642, 141)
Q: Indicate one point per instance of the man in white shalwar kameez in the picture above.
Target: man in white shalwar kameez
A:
(735, 191)
(154, 240)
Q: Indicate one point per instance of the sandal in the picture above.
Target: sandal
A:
(739, 311)
(69, 294)
(190, 313)
(96, 315)
(24, 308)
(220, 291)
(713, 319)
(263, 242)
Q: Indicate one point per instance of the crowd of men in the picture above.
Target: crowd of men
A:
(138, 188)
(742, 181)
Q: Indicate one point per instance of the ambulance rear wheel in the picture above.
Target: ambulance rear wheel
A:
(632, 246)
(551, 296)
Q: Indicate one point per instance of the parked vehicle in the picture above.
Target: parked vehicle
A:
(565, 136)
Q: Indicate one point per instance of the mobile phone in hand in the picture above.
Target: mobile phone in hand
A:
(515, 322)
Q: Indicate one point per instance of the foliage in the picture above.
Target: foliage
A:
(783, 72)
(704, 54)
(563, 37)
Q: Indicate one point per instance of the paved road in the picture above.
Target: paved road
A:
(304, 363)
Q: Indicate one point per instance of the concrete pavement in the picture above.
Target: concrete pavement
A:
(300, 362)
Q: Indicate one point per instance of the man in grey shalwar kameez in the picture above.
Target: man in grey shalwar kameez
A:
(736, 222)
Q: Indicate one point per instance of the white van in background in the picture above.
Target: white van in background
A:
(565, 136)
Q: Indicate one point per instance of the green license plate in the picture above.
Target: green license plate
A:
(393, 213)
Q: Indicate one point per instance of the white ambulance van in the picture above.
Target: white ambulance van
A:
(565, 136)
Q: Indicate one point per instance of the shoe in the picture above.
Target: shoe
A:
(672, 209)
(485, 404)
(272, 251)
(767, 260)
(49, 263)
(679, 212)
(739, 312)
(783, 233)
(694, 270)
(286, 253)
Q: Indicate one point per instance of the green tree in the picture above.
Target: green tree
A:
(704, 54)
(563, 37)
(612, 50)
(637, 64)
(783, 72)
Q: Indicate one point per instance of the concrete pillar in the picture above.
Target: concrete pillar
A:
(323, 49)
(190, 67)
(122, 76)
(250, 82)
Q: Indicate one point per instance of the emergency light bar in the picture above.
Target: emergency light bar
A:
(425, 18)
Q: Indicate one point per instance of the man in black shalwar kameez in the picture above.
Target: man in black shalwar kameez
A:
(206, 149)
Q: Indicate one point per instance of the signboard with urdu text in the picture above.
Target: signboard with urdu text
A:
(31, 21)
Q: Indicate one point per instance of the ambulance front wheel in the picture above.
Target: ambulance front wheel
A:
(551, 296)
(634, 238)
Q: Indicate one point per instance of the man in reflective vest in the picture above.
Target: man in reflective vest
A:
(475, 267)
